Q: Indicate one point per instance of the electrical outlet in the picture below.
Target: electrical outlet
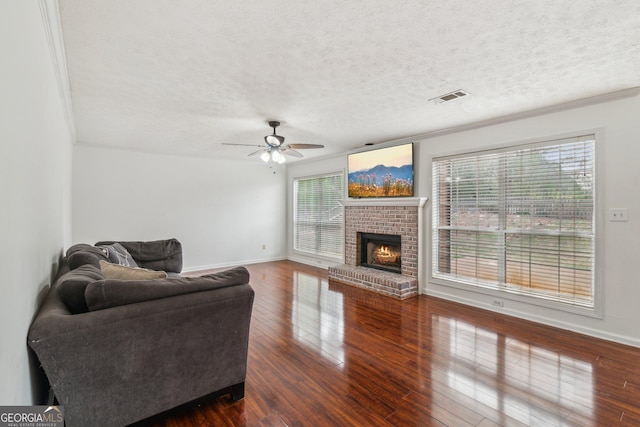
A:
(264, 247)
(497, 303)
(618, 214)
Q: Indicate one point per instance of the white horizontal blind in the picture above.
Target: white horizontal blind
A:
(520, 220)
(318, 216)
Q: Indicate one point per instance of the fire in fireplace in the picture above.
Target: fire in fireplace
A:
(381, 251)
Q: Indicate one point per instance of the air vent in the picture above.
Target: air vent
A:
(449, 96)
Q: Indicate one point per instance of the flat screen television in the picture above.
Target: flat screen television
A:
(382, 172)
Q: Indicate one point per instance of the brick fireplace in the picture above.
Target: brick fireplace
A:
(396, 217)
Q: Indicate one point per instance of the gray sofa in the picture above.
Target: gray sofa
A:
(131, 349)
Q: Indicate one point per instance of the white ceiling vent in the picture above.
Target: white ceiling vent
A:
(449, 96)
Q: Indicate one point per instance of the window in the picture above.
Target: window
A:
(318, 217)
(518, 220)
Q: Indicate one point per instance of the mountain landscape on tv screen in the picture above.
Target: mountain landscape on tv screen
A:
(382, 181)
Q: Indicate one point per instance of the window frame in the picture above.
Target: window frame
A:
(341, 176)
(599, 225)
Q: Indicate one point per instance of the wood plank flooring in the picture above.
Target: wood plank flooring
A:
(327, 354)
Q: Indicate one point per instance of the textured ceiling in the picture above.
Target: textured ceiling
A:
(183, 77)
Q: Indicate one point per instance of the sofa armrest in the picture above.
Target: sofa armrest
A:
(165, 255)
(126, 363)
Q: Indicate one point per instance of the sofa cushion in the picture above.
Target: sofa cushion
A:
(82, 254)
(165, 255)
(112, 293)
(121, 272)
(118, 254)
(71, 287)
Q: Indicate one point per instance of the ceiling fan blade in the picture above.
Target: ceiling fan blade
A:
(291, 152)
(244, 145)
(256, 152)
(304, 146)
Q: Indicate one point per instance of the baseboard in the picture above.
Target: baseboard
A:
(314, 262)
(580, 329)
(231, 264)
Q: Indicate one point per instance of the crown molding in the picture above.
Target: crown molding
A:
(568, 105)
(53, 33)
(582, 102)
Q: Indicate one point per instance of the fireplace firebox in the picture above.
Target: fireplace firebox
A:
(381, 251)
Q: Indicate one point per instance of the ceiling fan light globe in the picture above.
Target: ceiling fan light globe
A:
(282, 159)
(265, 157)
(276, 156)
(275, 140)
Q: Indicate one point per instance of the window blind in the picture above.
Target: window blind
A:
(318, 227)
(518, 220)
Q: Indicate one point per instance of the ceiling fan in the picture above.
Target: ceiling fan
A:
(275, 149)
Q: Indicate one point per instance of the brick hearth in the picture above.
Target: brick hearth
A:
(399, 217)
(383, 282)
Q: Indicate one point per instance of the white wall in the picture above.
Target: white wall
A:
(620, 175)
(222, 211)
(35, 188)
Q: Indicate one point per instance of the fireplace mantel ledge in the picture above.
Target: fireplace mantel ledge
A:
(391, 201)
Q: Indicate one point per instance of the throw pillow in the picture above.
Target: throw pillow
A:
(71, 287)
(118, 254)
(121, 272)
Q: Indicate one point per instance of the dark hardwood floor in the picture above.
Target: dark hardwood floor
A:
(325, 354)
